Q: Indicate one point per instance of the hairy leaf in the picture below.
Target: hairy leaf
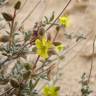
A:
(7, 17)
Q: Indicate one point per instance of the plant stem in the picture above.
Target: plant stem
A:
(91, 68)
(55, 36)
(36, 62)
(11, 30)
(59, 15)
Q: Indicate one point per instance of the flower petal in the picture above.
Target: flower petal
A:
(59, 48)
(64, 21)
(44, 41)
(50, 91)
(43, 47)
(43, 53)
(38, 43)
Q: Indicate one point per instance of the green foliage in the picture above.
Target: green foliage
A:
(27, 36)
(49, 20)
(85, 90)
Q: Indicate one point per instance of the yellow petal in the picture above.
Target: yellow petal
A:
(38, 43)
(43, 53)
(44, 41)
(51, 91)
(64, 21)
(59, 48)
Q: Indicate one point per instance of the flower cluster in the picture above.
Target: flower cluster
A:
(44, 46)
(51, 91)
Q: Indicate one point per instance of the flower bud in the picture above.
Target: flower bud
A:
(26, 75)
(17, 5)
(4, 38)
(14, 83)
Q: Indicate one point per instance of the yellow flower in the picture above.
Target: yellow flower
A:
(64, 21)
(43, 47)
(50, 91)
(59, 48)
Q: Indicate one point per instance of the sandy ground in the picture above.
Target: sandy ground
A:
(83, 21)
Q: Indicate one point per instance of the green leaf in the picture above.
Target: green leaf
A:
(17, 5)
(16, 33)
(30, 85)
(7, 17)
(27, 36)
(46, 19)
(52, 17)
(36, 82)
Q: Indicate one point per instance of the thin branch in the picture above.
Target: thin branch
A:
(92, 60)
(36, 62)
(59, 15)
(55, 36)
(11, 29)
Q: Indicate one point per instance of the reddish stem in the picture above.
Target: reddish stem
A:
(36, 62)
(55, 36)
(11, 30)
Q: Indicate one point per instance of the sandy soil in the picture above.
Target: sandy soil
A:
(76, 62)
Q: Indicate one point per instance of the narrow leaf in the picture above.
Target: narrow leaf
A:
(52, 17)
(7, 17)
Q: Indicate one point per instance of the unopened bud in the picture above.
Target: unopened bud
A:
(4, 38)
(57, 28)
(14, 83)
(26, 75)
